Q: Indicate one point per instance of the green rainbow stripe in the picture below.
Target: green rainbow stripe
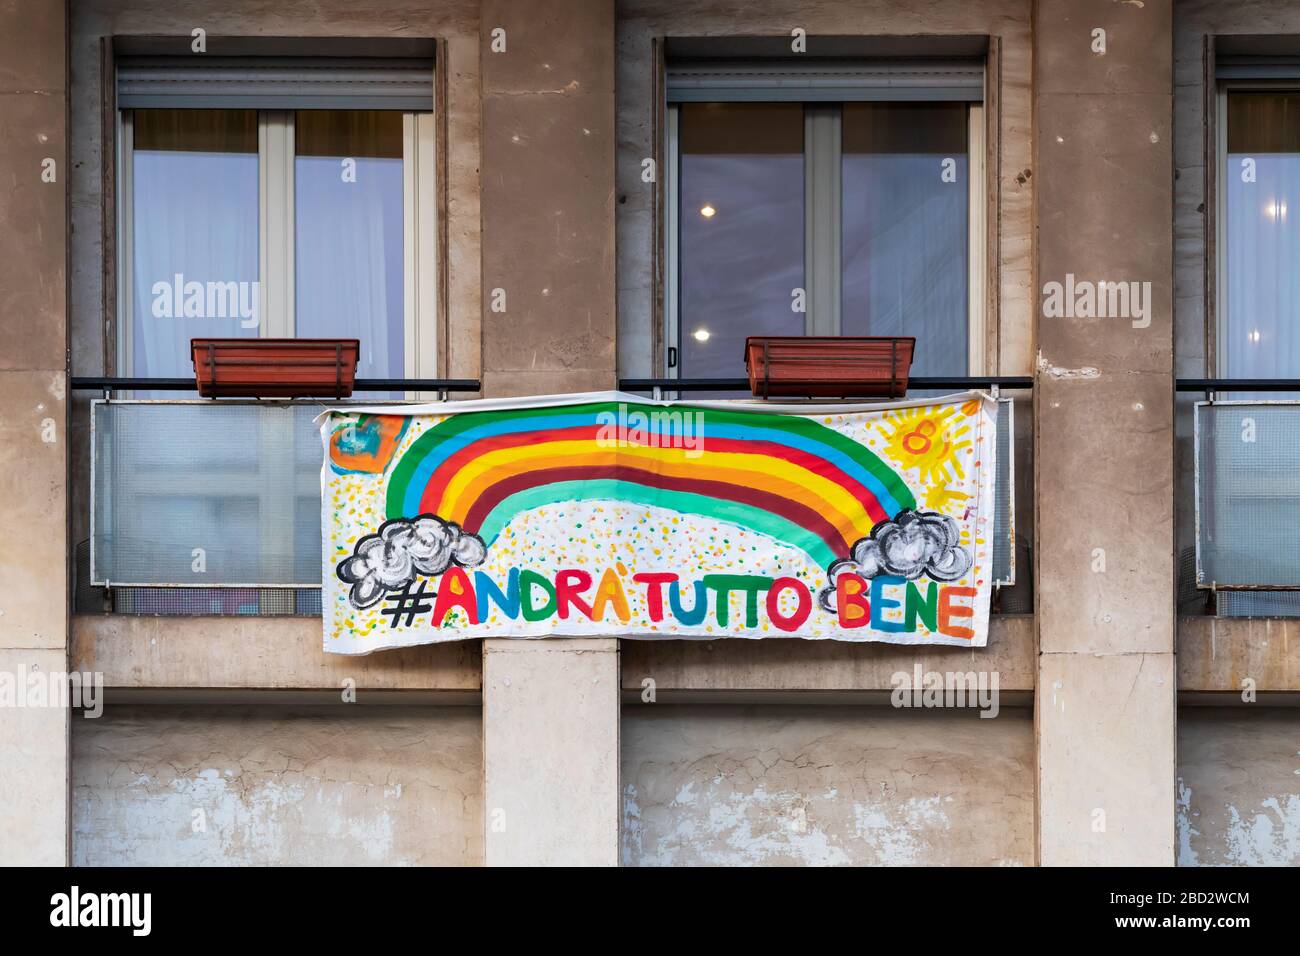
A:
(682, 501)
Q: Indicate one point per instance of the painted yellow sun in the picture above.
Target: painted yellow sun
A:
(943, 498)
(927, 438)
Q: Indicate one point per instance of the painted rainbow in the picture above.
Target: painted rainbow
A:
(784, 476)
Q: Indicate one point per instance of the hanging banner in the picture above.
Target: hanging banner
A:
(605, 514)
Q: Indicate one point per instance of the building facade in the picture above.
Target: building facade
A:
(1085, 200)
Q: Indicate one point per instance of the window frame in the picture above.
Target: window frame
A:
(823, 204)
(1216, 345)
(277, 264)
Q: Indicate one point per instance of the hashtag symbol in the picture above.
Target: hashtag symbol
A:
(407, 604)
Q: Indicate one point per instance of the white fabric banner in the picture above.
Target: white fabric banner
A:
(606, 514)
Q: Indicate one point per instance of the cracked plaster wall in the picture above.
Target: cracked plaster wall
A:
(159, 785)
(735, 785)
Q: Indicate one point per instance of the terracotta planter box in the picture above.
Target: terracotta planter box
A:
(829, 366)
(275, 368)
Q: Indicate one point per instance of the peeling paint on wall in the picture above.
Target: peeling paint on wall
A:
(1056, 371)
(1269, 835)
(1238, 787)
(1186, 828)
(730, 785)
(164, 786)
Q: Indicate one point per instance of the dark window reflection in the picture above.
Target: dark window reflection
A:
(741, 228)
(904, 228)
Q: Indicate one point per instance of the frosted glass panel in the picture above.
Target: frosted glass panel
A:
(1248, 508)
(206, 493)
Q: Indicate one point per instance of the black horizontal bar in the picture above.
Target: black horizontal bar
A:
(627, 384)
(742, 384)
(1238, 384)
(418, 385)
(684, 384)
(1003, 381)
(362, 384)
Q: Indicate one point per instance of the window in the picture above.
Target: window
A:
(741, 236)
(1257, 302)
(263, 197)
(840, 200)
(239, 216)
(1259, 243)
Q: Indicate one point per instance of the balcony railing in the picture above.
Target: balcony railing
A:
(914, 384)
(440, 385)
(1246, 465)
(224, 496)
(221, 497)
(1247, 477)
(205, 494)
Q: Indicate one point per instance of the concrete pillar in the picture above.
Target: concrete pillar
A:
(1103, 427)
(33, 432)
(550, 708)
(551, 752)
(548, 196)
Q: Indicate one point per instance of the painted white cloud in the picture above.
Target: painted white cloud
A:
(912, 544)
(402, 549)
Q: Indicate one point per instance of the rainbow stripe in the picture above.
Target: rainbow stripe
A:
(784, 476)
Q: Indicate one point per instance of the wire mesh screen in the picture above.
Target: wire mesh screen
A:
(187, 601)
(1190, 598)
(1248, 494)
(197, 494)
(86, 599)
(1257, 603)
(198, 602)
(1004, 525)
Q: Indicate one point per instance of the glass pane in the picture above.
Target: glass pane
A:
(741, 228)
(903, 245)
(1262, 335)
(194, 246)
(241, 481)
(349, 238)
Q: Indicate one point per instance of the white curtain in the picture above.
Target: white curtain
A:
(1263, 267)
(904, 254)
(194, 215)
(348, 247)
